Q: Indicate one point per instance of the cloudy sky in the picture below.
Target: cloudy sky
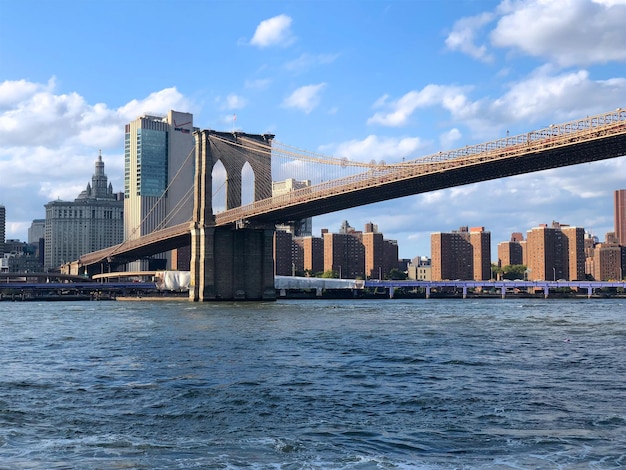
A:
(365, 80)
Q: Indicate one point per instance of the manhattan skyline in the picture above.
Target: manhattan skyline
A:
(362, 80)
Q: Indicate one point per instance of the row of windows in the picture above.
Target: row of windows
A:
(79, 214)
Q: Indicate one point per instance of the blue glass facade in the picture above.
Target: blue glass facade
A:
(151, 162)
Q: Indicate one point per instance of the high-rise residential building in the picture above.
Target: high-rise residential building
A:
(574, 253)
(512, 252)
(158, 174)
(545, 255)
(607, 260)
(374, 246)
(93, 221)
(619, 199)
(556, 252)
(481, 251)
(284, 264)
(461, 254)
(3, 221)
(381, 256)
(344, 254)
(450, 257)
(312, 249)
(391, 257)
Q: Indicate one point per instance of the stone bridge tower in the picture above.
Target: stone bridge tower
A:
(230, 263)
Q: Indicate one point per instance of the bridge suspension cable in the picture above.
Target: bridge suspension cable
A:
(117, 248)
(558, 142)
(551, 137)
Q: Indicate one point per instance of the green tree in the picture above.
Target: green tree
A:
(396, 274)
(513, 271)
(496, 271)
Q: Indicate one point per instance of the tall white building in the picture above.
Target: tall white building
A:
(159, 163)
(93, 221)
(298, 228)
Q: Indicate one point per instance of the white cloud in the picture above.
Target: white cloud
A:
(397, 113)
(543, 93)
(388, 149)
(233, 102)
(610, 3)
(13, 92)
(49, 143)
(159, 102)
(567, 32)
(258, 84)
(463, 36)
(308, 61)
(275, 31)
(305, 98)
(527, 102)
(448, 139)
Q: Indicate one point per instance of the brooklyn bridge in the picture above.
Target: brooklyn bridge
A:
(231, 249)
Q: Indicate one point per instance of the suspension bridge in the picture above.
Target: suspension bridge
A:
(335, 183)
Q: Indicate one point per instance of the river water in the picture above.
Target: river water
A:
(313, 384)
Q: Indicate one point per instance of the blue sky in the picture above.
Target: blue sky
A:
(365, 80)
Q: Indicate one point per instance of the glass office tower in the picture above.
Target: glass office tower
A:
(158, 175)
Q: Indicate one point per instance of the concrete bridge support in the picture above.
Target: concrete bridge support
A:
(230, 263)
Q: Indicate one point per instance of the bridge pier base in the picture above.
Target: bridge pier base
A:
(231, 264)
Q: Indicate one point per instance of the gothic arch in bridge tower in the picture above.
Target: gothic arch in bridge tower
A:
(218, 192)
(247, 184)
(231, 262)
(237, 151)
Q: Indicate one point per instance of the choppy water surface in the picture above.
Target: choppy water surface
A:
(435, 384)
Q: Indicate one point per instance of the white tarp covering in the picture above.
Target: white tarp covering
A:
(179, 281)
(172, 280)
(294, 282)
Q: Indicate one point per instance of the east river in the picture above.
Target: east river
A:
(314, 384)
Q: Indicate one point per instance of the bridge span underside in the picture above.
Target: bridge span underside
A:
(577, 153)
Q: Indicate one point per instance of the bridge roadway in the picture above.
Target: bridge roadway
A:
(586, 140)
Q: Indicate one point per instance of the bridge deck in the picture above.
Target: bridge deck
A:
(590, 139)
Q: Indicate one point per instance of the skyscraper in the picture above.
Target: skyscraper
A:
(619, 198)
(158, 173)
(93, 221)
(36, 230)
